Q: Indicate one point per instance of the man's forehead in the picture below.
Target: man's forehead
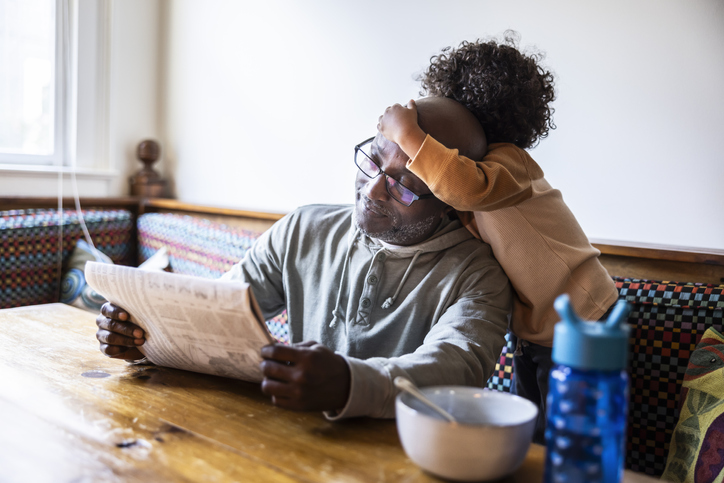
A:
(381, 146)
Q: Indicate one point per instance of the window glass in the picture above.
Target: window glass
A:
(27, 77)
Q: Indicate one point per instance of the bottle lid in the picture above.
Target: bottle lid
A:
(587, 345)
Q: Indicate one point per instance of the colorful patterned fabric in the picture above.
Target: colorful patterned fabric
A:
(667, 320)
(696, 449)
(195, 246)
(73, 287)
(29, 249)
(502, 377)
(279, 327)
(201, 248)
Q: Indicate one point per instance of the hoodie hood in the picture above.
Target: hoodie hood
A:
(448, 234)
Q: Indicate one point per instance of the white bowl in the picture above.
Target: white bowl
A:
(490, 441)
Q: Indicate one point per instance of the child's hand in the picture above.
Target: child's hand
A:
(399, 125)
(397, 121)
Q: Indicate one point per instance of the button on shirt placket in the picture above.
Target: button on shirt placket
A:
(369, 291)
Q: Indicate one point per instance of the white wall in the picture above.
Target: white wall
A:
(134, 85)
(265, 100)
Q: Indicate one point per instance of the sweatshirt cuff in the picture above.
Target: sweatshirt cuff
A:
(430, 161)
(371, 390)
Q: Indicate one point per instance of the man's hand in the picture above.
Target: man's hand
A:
(305, 377)
(118, 337)
(399, 125)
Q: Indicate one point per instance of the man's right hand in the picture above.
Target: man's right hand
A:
(118, 337)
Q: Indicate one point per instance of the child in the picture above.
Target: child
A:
(532, 232)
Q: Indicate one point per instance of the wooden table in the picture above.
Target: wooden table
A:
(68, 413)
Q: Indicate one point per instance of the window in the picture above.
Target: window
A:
(31, 87)
(54, 85)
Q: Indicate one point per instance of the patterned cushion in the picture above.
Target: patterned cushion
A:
(667, 321)
(29, 249)
(695, 454)
(73, 288)
(201, 248)
(502, 377)
(195, 246)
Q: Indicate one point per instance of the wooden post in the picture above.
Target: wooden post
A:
(147, 183)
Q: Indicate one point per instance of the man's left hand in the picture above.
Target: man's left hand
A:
(305, 377)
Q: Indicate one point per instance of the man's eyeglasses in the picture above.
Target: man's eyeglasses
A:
(397, 190)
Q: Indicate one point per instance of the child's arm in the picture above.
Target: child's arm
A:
(502, 179)
(399, 125)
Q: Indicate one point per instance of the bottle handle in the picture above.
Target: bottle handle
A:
(618, 314)
(565, 309)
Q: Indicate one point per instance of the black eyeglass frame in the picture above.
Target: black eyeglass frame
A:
(358, 148)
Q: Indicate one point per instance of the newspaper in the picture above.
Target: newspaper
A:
(191, 323)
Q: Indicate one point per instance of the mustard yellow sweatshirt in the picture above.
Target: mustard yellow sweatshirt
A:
(505, 200)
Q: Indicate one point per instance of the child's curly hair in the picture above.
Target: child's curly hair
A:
(505, 89)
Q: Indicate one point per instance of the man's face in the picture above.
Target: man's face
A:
(379, 215)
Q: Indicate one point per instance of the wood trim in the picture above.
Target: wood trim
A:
(21, 202)
(157, 204)
(664, 270)
(136, 205)
(652, 251)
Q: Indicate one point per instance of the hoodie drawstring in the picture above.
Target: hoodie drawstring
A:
(391, 300)
(336, 314)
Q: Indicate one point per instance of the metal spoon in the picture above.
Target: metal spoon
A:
(406, 385)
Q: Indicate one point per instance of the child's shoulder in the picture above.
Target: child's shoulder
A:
(502, 148)
(508, 152)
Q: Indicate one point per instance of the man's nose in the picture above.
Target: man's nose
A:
(376, 189)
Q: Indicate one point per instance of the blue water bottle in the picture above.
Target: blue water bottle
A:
(587, 398)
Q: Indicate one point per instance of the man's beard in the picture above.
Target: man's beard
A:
(405, 234)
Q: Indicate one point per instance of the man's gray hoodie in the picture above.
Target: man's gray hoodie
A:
(436, 312)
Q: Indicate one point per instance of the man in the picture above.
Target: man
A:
(391, 286)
